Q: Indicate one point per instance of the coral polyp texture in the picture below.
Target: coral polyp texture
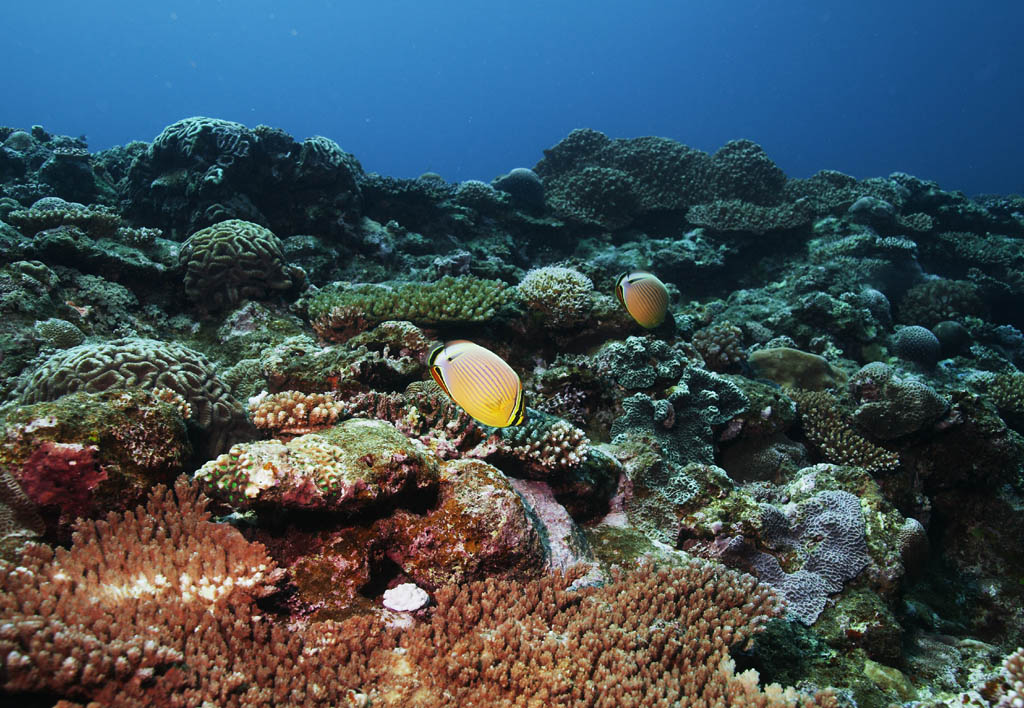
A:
(561, 295)
(294, 412)
(808, 475)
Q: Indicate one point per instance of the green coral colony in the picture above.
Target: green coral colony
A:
(760, 430)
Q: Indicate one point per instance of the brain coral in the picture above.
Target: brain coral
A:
(205, 139)
(135, 362)
(235, 260)
(917, 344)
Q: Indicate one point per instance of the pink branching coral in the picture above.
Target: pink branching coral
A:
(1010, 693)
(292, 413)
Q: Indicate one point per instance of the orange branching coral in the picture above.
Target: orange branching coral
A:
(292, 413)
(157, 607)
(829, 430)
(649, 637)
(142, 607)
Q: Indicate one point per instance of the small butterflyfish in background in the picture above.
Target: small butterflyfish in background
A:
(643, 296)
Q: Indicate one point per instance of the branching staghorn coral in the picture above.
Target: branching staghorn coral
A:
(829, 430)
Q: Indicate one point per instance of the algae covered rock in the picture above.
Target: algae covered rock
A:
(88, 453)
(479, 528)
(356, 465)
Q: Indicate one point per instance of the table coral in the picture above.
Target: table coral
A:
(51, 212)
(341, 310)
(681, 422)
(599, 181)
(727, 215)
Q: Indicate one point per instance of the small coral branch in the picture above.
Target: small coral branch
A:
(292, 413)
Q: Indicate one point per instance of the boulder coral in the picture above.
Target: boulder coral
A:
(235, 260)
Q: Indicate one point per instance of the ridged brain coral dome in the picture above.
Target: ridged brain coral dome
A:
(135, 362)
(235, 260)
(208, 139)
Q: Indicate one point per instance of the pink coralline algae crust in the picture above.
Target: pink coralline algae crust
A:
(62, 475)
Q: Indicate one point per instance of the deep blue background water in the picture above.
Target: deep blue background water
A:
(471, 89)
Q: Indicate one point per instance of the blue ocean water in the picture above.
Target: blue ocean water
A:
(471, 89)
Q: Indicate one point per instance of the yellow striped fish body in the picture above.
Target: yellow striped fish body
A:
(480, 381)
(643, 296)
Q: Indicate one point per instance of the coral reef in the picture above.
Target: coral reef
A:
(834, 403)
(490, 640)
